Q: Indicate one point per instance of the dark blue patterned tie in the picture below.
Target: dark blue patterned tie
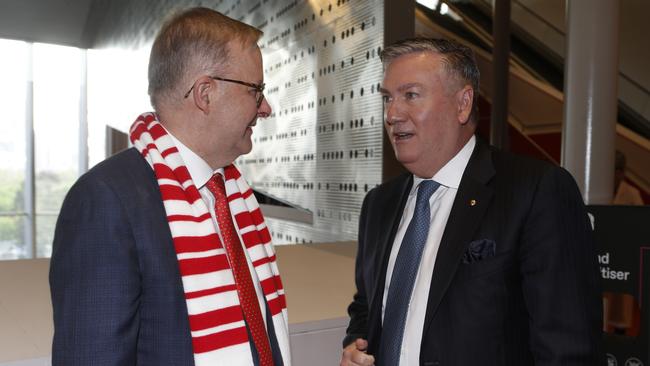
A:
(403, 277)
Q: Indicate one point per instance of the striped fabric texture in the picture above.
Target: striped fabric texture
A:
(216, 319)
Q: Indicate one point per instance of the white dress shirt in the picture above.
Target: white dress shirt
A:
(440, 204)
(200, 172)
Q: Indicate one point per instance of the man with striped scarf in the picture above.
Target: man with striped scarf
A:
(161, 255)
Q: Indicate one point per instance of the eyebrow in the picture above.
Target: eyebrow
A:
(401, 88)
(408, 86)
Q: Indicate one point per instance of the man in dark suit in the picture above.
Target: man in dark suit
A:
(161, 255)
(477, 256)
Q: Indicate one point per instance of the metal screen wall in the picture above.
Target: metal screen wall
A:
(321, 148)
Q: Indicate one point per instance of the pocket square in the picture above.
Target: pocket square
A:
(479, 250)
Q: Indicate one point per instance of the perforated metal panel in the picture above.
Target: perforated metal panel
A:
(321, 147)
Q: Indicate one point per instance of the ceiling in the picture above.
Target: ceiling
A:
(61, 22)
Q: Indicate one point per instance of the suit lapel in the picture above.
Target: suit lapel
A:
(388, 221)
(463, 221)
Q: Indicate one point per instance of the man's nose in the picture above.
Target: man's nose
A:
(264, 109)
(393, 112)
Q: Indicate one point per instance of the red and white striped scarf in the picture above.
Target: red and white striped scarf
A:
(216, 319)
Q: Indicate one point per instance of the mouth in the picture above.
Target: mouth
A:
(402, 136)
(249, 127)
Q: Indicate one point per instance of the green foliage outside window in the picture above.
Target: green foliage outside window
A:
(11, 202)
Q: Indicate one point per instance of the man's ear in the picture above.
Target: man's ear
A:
(201, 93)
(465, 100)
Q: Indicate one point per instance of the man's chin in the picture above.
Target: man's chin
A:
(405, 158)
(246, 147)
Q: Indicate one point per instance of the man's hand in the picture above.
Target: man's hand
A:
(355, 354)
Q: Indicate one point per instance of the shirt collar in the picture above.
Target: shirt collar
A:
(200, 171)
(452, 172)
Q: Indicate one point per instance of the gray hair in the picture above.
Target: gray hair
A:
(197, 38)
(459, 61)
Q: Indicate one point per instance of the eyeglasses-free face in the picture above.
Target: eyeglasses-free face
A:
(259, 88)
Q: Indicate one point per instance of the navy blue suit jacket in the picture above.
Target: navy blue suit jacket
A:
(116, 287)
(532, 298)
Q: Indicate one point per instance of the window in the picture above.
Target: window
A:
(40, 151)
(14, 69)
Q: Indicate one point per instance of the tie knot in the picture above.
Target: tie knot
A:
(217, 186)
(218, 179)
(426, 189)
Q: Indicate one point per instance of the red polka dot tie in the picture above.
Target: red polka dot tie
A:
(237, 258)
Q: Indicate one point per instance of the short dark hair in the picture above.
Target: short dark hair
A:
(194, 38)
(458, 59)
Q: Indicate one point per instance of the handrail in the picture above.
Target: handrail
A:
(639, 86)
(539, 17)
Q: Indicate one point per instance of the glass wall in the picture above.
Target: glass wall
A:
(15, 76)
(57, 81)
(39, 142)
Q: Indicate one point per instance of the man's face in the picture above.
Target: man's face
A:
(233, 109)
(425, 112)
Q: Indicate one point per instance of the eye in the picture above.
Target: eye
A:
(411, 95)
(386, 99)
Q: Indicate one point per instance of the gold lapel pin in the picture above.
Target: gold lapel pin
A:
(472, 202)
